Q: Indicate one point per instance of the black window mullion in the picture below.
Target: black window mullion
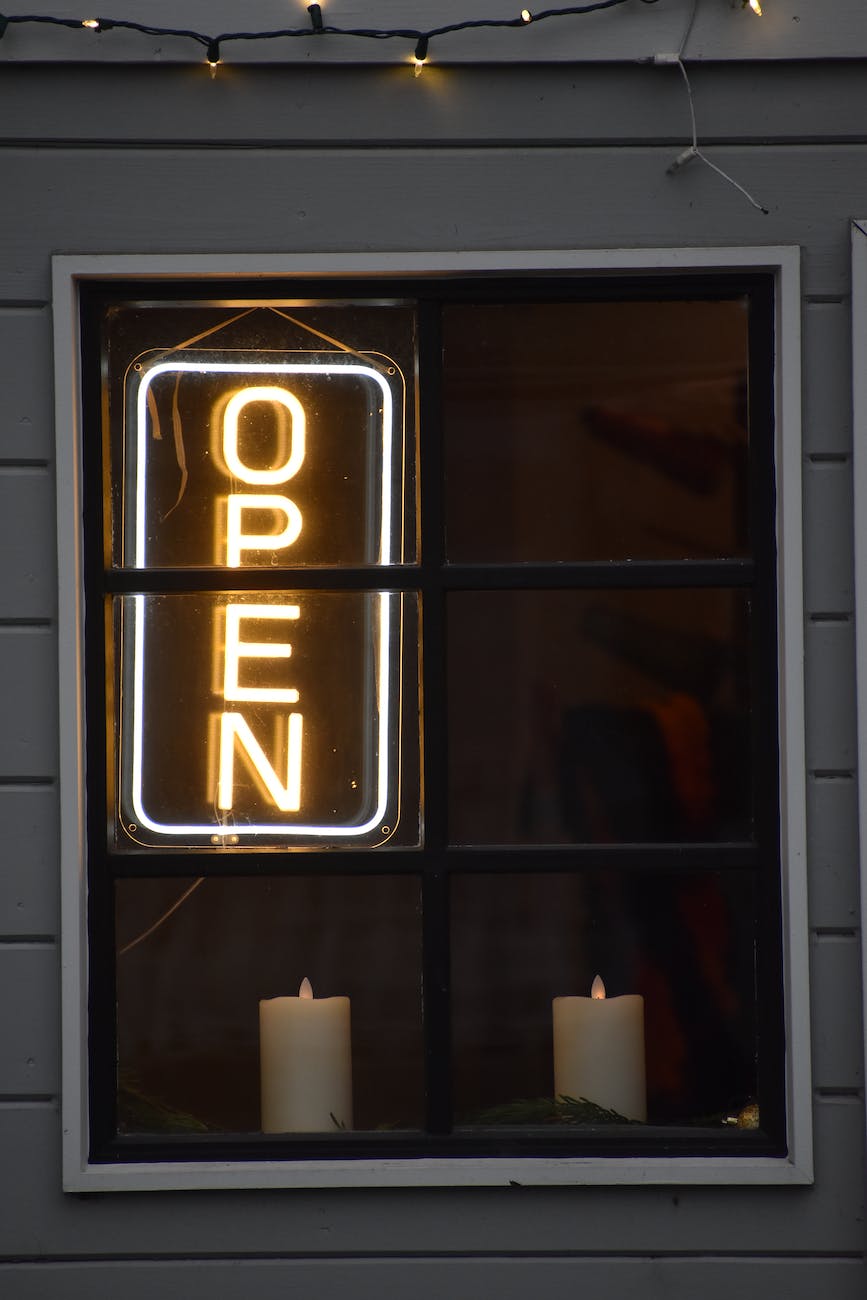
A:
(435, 891)
(607, 575)
(165, 581)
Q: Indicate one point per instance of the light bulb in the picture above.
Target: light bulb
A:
(419, 58)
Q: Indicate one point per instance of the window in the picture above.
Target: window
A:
(431, 660)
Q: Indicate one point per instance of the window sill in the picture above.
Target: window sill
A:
(436, 1172)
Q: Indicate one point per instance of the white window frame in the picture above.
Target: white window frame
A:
(795, 1168)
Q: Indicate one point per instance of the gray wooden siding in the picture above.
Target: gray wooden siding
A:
(496, 1279)
(109, 161)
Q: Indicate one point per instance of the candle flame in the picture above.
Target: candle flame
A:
(597, 988)
(306, 989)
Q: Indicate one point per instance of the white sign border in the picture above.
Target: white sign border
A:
(386, 621)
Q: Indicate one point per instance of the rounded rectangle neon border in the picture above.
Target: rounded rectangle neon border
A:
(388, 620)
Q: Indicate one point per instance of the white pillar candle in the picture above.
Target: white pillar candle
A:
(599, 1050)
(305, 1058)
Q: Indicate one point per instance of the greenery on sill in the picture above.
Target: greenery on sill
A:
(550, 1110)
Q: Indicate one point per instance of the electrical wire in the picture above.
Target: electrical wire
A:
(140, 938)
(693, 150)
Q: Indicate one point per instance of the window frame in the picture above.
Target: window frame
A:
(464, 1170)
(859, 473)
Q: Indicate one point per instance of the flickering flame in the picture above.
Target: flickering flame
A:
(597, 989)
(306, 989)
(756, 7)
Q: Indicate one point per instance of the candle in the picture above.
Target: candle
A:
(306, 1063)
(599, 1050)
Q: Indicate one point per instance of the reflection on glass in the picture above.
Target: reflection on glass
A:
(598, 716)
(260, 434)
(266, 719)
(684, 942)
(189, 992)
(595, 430)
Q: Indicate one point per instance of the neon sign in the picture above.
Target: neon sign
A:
(260, 717)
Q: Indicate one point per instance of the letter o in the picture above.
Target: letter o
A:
(234, 406)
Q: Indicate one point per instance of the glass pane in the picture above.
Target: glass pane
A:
(263, 434)
(595, 430)
(264, 719)
(190, 984)
(598, 716)
(684, 943)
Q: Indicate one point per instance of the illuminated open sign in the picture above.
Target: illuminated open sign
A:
(261, 716)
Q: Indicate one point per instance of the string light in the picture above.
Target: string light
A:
(419, 57)
(421, 39)
(213, 57)
(317, 26)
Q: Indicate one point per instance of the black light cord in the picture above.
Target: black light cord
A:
(318, 28)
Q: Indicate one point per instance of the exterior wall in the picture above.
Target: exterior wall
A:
(160, 159)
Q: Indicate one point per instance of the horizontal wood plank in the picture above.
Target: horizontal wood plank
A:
(832, 852)
(26, 416)
(829, 576)
(432, 1279)
(830, 712)
(501, 106)
(28, 1019)
(826, 1218)
(105, 201)
(28, 569)
(28, 671)
(29, 883)
(835, 972)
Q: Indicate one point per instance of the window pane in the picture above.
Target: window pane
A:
(266, 719)
(189, 994)
(684, 942)
(261, 434)
(598, 716)
(595, 430)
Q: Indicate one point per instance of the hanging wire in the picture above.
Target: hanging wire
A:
(140, 938)
(687, 31)
(693, 150)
